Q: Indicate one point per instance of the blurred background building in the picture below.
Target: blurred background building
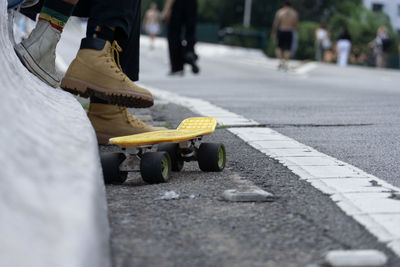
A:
(390, 7)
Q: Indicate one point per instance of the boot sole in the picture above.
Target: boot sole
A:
(28, 61)
(112, 96)
(102, 139)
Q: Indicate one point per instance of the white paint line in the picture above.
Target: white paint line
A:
(310, 161)
(224, 117)
(352, 185)
(360, 195)
(306, 68)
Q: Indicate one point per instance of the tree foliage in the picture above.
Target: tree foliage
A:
(361, 22)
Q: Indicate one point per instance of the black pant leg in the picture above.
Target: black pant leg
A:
(130, 45)
(190, 24)
(115, 13)
(175, 36)
(125, 15)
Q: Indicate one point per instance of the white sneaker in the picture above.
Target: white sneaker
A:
(38, 52)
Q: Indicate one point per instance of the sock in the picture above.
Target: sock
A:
(95, 31)
(56, 12)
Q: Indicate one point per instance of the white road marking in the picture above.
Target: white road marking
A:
(306, 68)
(224, 117)
(360, 195)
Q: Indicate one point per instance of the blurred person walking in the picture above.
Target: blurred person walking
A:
(285, 23)
(295, 43)
(343, 48)
(322, 42)
(380, 46)
(179, 15)
(151, 23)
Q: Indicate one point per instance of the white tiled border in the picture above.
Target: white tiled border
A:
(360, 195)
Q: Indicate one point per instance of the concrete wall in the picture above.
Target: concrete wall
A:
(391, 7)
(52, 198)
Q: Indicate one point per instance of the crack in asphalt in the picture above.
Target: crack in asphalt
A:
(310, 125)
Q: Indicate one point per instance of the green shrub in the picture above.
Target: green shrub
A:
(306, 35)
(245, 37)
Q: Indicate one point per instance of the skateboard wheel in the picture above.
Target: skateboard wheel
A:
(155, 167)
(110, 163)
(211, 157)
(173, 151)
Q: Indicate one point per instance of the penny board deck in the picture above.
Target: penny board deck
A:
(188, 129)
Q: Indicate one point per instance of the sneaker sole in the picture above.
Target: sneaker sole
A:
(112, 96)
(28, 61)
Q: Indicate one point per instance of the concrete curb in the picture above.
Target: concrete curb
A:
(52, 200)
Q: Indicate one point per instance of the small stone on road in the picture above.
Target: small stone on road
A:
(247, 195)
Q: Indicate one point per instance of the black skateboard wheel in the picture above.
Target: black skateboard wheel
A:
(211, 157)
(173, 151)
(155, 167)
(110, 163)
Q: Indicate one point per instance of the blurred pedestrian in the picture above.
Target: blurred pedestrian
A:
(344, 48)
(357, 56)
(286, 21)
(151, 23)
(322, 42)
(380, 45)
(295, 43)
(181, 14)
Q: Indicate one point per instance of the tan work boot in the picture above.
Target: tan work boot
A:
(95, 71)
(112, 121)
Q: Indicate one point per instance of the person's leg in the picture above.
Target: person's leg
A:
(174, 37)
(379, 60)
(283, 48)
(318, 50)
(287, 46)
(110, 120)
(347, 52)
(190, 21)
(286, 55)
(103, 68)
(344, 47)
(278, 49)
(278, 54)
(341, 50)
(38, 51)
(152, 37)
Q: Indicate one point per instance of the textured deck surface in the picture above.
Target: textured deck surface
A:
(188, 129)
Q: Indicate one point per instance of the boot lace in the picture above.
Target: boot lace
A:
(132, 120)
(113, 54)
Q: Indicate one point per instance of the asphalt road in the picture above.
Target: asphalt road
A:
(200, 229)
(352, 114)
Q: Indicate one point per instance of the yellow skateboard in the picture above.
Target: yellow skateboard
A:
(164, 151)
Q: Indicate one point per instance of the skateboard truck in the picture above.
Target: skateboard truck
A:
(156, 154)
